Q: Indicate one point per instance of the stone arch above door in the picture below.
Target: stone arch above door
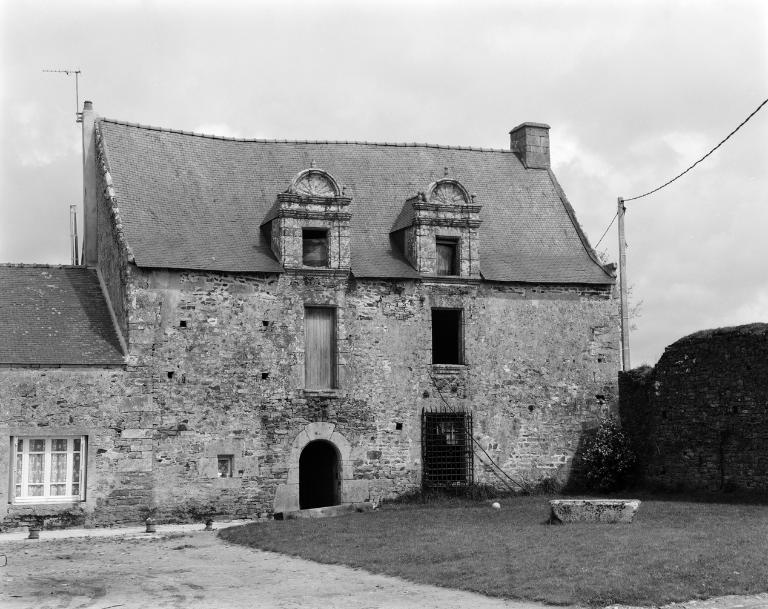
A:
(319, 431)
(287, 495)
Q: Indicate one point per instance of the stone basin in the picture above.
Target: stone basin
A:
(610, 511)
(326, 512)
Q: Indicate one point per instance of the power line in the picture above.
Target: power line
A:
(744, 122)
(607, 229)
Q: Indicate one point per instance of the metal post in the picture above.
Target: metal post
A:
(73, 234)
(625, 365)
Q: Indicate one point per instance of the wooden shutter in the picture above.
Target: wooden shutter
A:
(320, 348)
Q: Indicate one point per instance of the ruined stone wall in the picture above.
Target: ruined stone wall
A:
(216, 367)
(700, 417)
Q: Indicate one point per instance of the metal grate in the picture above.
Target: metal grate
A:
(446, 449)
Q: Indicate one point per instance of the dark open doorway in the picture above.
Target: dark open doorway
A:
(319, 475)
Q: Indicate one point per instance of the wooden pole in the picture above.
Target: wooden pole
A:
(625, 365)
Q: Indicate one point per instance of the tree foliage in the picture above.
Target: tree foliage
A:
(608, 458)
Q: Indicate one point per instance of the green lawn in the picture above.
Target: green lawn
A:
(674, 551)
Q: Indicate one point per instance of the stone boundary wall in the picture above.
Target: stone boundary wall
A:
(699, 418)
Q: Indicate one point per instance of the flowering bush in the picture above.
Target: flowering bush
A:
(607, 457)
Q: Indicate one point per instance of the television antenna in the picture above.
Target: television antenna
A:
(78, 114)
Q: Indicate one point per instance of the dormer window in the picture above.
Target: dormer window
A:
(315, 246)
(308, 227)
(447, 254)
(437, 231)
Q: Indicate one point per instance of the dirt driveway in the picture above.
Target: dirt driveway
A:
(198, 570)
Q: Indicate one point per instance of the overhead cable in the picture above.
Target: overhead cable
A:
(744, 122)
(606, 230)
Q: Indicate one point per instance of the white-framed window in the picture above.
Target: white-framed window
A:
(49, 469)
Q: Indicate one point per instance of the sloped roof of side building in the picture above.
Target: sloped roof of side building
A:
(55, 316)
(191, 201)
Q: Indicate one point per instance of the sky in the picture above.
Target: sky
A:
(634, 91)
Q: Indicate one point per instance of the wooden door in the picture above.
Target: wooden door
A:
(320, 348)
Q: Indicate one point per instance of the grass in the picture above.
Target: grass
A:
(674, 551)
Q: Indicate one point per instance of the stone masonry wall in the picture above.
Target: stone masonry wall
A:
(216, 367)
(74, 401)
(699, 419)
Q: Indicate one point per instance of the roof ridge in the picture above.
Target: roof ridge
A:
(287, 141)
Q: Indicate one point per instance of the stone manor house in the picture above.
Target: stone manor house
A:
(266, 326)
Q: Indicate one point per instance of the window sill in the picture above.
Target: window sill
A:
(448, 369)
(48, 501)
(322, 393)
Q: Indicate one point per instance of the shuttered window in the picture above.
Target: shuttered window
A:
(320, 348)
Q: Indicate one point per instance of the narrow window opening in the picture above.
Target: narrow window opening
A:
(447, 258)
(183, 323)
(315, 246)
(226, 463)
(264, 376)
(447, 347)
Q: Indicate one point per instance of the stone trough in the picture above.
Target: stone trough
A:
(326, 512)
(609, 511)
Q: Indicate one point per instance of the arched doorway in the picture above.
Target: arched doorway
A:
(319, 475)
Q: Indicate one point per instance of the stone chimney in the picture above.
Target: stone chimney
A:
(90, 186)
(530, 142)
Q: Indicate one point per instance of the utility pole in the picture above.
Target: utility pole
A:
(623, 289)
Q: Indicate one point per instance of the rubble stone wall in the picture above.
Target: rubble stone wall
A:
(216, 367)
(699, 419)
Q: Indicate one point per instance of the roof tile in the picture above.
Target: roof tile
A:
(196, 202)
(55, 316)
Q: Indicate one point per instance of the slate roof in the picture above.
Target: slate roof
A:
(196, 202)
(55, 316)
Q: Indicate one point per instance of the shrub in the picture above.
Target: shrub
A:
(607, 458)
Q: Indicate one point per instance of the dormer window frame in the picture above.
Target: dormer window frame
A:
(311, 234)
(442, 243)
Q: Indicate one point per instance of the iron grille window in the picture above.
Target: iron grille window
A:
(446, 449)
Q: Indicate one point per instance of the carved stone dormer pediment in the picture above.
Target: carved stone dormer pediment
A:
(309, 225)
(437, 230)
